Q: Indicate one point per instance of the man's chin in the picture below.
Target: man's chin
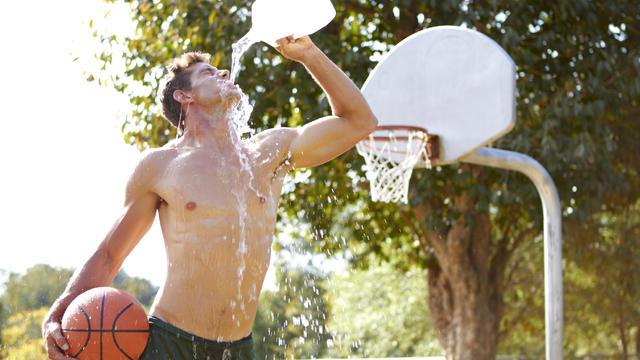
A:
(234, 95)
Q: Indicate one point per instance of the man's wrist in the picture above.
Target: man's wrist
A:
(311, 55)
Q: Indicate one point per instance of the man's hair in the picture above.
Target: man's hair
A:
(178, 78)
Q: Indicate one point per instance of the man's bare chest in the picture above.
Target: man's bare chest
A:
(208, 186)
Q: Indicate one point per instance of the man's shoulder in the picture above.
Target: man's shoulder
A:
(156, 158)
(167, 151)
(280, 136)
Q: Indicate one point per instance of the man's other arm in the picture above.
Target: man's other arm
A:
(352, 120)
(100, 269)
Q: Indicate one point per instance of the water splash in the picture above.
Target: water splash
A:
(239, 126)
(240, 118)
(239, 48)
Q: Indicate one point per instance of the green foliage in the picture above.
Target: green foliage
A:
(21, 337)
(381, 312)
(38, 287)
(141, 289)
(606, 284)
(290, 323)
(522, 326)
(24, 302)
(601, 292)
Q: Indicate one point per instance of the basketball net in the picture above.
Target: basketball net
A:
(390, 161)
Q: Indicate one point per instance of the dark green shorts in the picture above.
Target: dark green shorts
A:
(167, 342)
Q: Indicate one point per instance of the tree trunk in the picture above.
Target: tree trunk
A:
(465, 293)
(623, 335)
(638, 341)
(465, 326)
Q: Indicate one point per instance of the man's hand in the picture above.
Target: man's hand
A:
(54, 341)
(296, 49)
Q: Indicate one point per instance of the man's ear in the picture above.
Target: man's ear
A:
(181, 96)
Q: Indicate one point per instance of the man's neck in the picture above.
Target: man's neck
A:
(208, 128)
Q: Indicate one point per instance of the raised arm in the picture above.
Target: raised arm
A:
(100, 269)
(352, 120)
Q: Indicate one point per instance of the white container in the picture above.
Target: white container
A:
(276, 19)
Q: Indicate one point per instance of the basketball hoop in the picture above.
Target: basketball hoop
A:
(391, 153)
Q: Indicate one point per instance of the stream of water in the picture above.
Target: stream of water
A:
(239, 48)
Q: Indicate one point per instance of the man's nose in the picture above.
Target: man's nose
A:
(224, 74)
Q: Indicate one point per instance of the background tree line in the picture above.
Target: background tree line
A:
(577, 113)
(25, 300)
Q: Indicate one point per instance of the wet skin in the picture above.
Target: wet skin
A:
(217, 199)
(218, 220)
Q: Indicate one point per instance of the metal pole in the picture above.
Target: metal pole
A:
(552, 235)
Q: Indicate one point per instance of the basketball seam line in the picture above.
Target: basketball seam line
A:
(101, 331)
(104, 295)
(89, 329)
(113, 328)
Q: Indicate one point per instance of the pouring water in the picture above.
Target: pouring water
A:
(238, 49)
(271, 20)
(277, 19)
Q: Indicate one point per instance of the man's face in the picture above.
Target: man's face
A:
(211, 86)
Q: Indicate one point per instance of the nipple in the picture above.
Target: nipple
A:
(191, 205)
(262, 199)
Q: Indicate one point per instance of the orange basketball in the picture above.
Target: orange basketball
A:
(105, 324)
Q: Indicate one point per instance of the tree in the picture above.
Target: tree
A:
(380, 312)
(21, 336)
(24, 302)
(578, 87)
(610, 286)
(27, 298)
(290, 323)
(38, 287)
(141, 289)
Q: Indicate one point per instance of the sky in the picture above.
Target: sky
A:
(65, 163)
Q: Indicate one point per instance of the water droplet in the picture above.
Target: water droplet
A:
(226, 355)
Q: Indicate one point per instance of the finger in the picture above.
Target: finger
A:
(54, 352)
(54, 331)
(60, 340)
(285, 40)
(282, 42)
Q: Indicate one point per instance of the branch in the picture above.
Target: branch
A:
(356, 6)
(435, 238)
(504, 241)
(516, 319)
(512, 271)
(415, 230)
(499, 264)
(424, 241)
(518, 240)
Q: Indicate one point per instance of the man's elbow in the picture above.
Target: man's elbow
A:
(363, 121)
(369, 122)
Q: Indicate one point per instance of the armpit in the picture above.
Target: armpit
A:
(284, 165)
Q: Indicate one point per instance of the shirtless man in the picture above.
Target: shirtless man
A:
(217, 217)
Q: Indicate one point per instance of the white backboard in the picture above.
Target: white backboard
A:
(454, 82)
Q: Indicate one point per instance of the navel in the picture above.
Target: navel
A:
(191, 205)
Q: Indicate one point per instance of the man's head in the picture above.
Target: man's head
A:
(178, 78)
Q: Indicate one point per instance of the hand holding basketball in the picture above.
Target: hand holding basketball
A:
(55, 342)
(105, 323)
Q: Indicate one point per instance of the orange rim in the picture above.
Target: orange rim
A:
(390, 128)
